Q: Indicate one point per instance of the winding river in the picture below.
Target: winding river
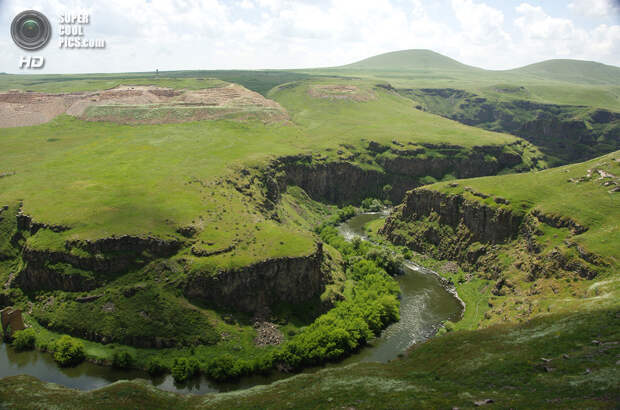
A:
(425, 303)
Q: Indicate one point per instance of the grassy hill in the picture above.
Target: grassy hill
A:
(569, 82)
(572, 71)
(410, 60)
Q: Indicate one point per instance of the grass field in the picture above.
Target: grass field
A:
(559, 361)
(212, 188)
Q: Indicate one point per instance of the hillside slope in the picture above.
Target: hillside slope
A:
(410, 60)
(538, 236)
(572, 71)
(556, 362)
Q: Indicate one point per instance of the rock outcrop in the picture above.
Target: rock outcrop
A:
(403, 168)
(449, 226)
(564, 132)
(257, 287)
(84, 265)
(485, 224)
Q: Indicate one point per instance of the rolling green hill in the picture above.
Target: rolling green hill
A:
(410, 60)
(572, 71)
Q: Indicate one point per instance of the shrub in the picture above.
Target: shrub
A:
(386, 190)
(449, 326)
(122, 359)
(373, 305)
(223, 367)
(24, 339)
(345, 213)
(184, 368)
(372, 204)
(68, 351)
(156, 367)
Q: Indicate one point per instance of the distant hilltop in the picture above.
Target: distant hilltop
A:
(577, 71)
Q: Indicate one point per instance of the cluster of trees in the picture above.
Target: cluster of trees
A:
(361, 256)
(68, 351)
(24, 339)
(373, 305)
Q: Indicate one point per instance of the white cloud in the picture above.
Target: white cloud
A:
(204, 34)
(246, 4)
(544, 35)
(595, 8)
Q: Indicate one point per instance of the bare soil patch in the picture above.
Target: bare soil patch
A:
(140, 105)
(341, 92)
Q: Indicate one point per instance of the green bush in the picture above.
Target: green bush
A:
(345, 213)
(225, 367)
(68, 351)
(372, 205)
(24, 339)
(184, 369)
(156, 367)
(449, 326)
(122, 359)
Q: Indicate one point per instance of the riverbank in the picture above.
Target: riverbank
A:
(424, 305)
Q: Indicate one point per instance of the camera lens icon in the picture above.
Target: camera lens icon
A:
(31, 30)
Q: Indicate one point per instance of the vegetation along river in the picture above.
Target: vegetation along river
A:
(425, 303)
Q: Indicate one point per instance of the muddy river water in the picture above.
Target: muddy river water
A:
(425, 303)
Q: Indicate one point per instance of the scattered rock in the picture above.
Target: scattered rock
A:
(109, 307)
(605, 174)
(545, 360)
(548, 369)
(450, 267)
(267, 333)
(86, 299)
(479, 403)
(565, 356)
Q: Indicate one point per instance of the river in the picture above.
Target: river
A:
(425, 303)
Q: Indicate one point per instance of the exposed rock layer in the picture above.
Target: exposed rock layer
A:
(570, 133)
(259, 286)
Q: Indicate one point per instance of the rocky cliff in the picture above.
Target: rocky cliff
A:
(257, 287)
(446, 226)
(568, 133)
(84, 265)
(400, 166)
(476, 234)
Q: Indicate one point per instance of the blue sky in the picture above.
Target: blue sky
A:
(143, 35)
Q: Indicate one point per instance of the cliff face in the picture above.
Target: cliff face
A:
(259, 286)
(485, 224)
(99, 261)
(400, 167)
(569, 133)
(357, 173)
(475, 234)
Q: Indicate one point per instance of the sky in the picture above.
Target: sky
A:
(144, 35)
